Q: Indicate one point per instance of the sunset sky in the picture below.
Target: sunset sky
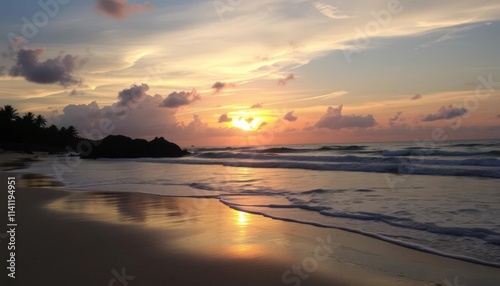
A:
(240, 72)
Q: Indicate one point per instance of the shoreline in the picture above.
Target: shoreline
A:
(356, 260)
(416, 247)
(90, 237)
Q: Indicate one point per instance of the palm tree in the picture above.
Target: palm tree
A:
(29, 117)
(71, 131)
(40, 121)
(8, 113)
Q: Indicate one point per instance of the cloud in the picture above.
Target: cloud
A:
(290, 117)
(75, 92)
(333, 119)
(416, 97)
(329, 10)
(219, 86)
(57, 70)
(498, 115)
(257, 105)
(249, 120)
(2, 70)
(178, 99)
(446, 112)
(143, 119)
(452, 33)
(262, 125)
(284, 81)
(133, 95)
(224, 118)
(120, 9)
(396, 118)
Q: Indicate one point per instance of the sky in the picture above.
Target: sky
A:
(239, 72)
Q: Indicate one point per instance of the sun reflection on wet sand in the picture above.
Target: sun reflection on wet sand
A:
(210, 228)
(242, 218)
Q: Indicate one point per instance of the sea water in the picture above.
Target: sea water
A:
(443, 200)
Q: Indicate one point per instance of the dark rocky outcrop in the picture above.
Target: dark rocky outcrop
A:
(118, 146)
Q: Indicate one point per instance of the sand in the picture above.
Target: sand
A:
(69, 237)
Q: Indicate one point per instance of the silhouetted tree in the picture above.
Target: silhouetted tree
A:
(30, 132)
(28, 118)
(8, 114)
(40, 121)
(72, 132)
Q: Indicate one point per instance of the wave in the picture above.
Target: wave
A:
(397, 167)
(282, 150)
(334, 191)
(467, 145)
(486, 235)
(434, 152)
(208, 149)
(279, 150)
(485, 162)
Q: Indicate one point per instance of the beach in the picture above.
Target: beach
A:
(111, 238)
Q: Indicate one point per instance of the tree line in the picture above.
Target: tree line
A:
(30, 132)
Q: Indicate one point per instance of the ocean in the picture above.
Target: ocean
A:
(442, 198)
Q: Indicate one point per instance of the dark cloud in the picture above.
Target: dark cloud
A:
(75, 92)
(249, 120)
(257, 105)
(57, 70)
(2, 70)
(83, 111)
(262, 125)
(225, 118)
(133, 95)
(145, 119)
(416, 97)
(446, 112)
(333, 119)
(178, 99)
(290, 117)
(219, 86)
(120, 9)
(284, 81)
(498, 116)
(396, 118)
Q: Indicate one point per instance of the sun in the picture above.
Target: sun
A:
(246, 124)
